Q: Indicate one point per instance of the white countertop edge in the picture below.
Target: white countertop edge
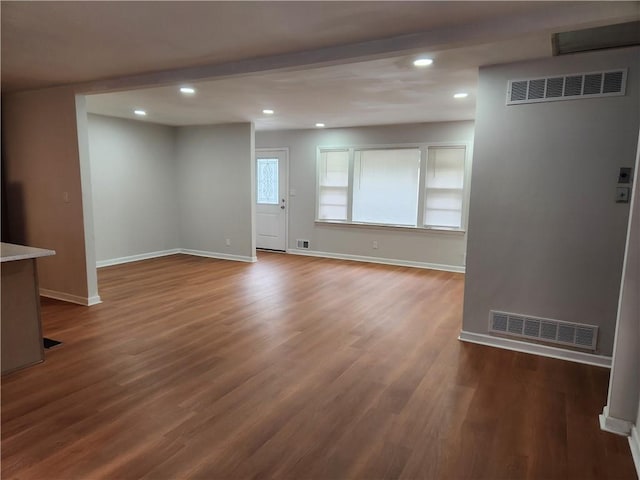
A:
(10, 252)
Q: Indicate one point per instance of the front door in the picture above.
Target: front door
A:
(271, 199)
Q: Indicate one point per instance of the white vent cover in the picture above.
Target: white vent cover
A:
(302, 243)
(567, 87)
(544, 329)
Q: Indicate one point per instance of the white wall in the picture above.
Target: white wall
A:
(134, 187)
(45, 197)
(623, 410)
(417, 246)
(546, 237)
(215, 189)
(625, 375)
(190, 188)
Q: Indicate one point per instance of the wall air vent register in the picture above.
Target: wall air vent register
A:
(544, 329)
(568, 87)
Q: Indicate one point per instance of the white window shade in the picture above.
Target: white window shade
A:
(385, 186)
(333, 185)
(444, 192)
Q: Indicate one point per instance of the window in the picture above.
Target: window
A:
(333, 185)
(267, 181)
(385, 186)
(444, 187)
(413, 186)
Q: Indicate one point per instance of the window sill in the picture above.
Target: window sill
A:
(377, 226)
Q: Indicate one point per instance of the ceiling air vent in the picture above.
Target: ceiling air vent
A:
(544, 329)
(568, 87)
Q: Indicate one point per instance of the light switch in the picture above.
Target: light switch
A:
(622, 195)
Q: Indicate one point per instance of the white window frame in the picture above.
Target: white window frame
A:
(422, 187)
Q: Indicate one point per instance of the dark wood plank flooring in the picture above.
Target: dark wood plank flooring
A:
(294, 367)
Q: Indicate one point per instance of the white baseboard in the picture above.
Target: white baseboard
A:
(135, 258)
(173, 251)
(67, 297)
(383, 261)
(634, 443)
(536, 349)
(95, 300)
(614, 425)
(219, 256)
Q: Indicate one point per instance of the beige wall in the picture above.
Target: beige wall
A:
(43, 178)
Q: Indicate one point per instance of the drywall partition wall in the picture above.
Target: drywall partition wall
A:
(133, 175)
(215, 190)
(82, 129)
(546, 237)
(43, 180)
(404, 246)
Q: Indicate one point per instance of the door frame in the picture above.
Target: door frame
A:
(282, 150)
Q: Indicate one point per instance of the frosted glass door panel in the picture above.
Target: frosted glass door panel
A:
(267, 181)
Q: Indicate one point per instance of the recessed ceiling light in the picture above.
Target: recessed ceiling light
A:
(461, 95)
(422, 62)
(319, 125)
(187, 90)
(268, 111)
(142, 113)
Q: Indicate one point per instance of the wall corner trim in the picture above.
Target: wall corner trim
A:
(67, 297)
(219, 256)
(634, 443)
(535, 349)
(614, 425)
(95, 300)
(383, 261)
(135, 258)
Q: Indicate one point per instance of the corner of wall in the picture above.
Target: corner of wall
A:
(253, 190)
(87, 197)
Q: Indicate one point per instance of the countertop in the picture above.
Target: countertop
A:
(10, 252)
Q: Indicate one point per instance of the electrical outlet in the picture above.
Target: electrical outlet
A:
(375, 244)
(622, 195)
(228, 242)
(65, 197)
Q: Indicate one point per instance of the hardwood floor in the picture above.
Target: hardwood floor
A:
(294, 367)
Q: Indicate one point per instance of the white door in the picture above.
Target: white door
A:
(271, 199)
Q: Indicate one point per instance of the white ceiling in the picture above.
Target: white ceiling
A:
(343, 63)
(375, 92)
